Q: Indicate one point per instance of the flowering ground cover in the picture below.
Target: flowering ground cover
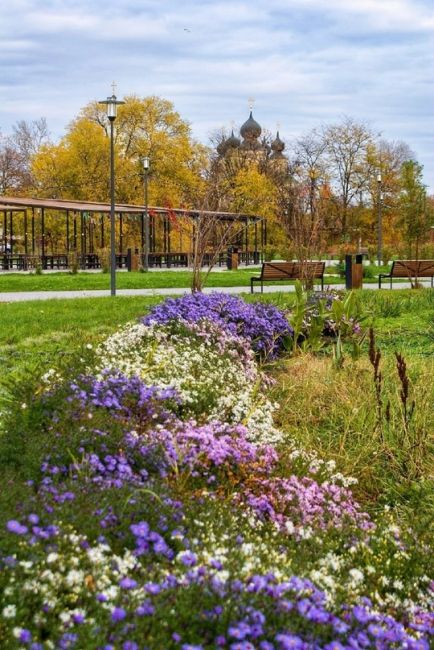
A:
(155, 496)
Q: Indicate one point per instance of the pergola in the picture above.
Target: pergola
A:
(26, 242)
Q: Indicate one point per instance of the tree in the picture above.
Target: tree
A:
(78, 166)
(415, 216)
(346, 146)
(11, 172)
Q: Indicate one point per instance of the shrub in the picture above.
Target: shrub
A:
(263, 325)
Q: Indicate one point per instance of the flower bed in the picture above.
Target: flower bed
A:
(158, 507)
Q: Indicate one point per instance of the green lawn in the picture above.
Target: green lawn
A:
(64, 281)
(134, 280)
(38, 331)
(402, 319)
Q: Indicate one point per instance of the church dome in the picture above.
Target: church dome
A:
(250, 130)
(277, 145)
(233, 142)
(222, 147)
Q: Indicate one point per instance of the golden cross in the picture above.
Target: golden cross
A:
(114, 87)
(251, 101)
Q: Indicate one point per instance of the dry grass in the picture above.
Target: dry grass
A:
(334, 412)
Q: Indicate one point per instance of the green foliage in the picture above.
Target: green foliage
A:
(415, 215)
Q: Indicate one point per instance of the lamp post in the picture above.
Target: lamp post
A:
(379, 223)
(146, 165)
(111, 104)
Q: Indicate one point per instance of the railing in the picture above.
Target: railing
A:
(22, 262)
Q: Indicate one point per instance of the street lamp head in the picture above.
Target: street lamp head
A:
(111, 104)
(146, 163)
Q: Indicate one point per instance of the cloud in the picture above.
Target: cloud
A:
(305, 61)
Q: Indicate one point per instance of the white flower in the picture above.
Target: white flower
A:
(290, 527)
(9, 611)
(356, 576)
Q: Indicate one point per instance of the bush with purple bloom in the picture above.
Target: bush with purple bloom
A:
(263, 325)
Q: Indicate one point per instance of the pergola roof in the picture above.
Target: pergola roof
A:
(22, 203)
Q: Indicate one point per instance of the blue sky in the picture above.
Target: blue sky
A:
(305, 62)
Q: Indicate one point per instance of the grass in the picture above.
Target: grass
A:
(403, 320)
(64, 281)
(379, 438)
(42, 330)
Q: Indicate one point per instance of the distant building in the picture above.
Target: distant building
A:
(249, 144)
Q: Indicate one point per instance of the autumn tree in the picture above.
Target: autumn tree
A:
(345, 148)
(16, 152)
(415, 214)
(11, 173)
(78, 166)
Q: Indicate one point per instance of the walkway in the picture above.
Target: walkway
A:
(49, 295)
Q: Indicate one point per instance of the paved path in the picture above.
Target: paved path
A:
(49, 295)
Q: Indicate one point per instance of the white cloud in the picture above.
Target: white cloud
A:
(305, 62)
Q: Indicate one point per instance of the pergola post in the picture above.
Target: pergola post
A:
(43, 237)
(26, 241)
(121, 233)
(102, 229)
(33, 231)
(82, 237)
(11, 232)
(5, 230)
(91, 233)
(256, 243)
(154, 239)
(67, 231)
(75, 231)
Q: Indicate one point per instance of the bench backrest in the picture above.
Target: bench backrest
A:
(412, 268)
(292, 270)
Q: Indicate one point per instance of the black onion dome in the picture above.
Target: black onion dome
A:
(250, 130)
(277, 145)
(222, 147)
(233, 142)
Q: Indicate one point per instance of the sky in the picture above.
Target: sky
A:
(305, 63)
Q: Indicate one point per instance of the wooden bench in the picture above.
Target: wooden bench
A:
(409, 269)
(289, 271)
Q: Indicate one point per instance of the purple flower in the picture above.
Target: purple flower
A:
(188, 558)
(33, 519)
(239, 631)
(128, 583)
(118, 614)
(25, 636)
(289, 641)
(375, 630)
(145, 609)
(262, 325)
(78, 618)
(361, 614)
(14, 526)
